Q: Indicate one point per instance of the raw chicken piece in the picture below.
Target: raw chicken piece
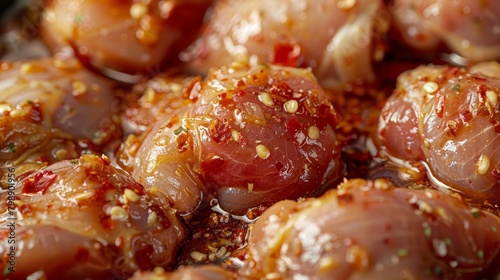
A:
(372, 230)
(85, 219)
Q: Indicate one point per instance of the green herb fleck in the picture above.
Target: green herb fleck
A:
(494, 228)
(480, 254)
(79, 18)
(428, 231)
(74, 161)
(475, 213)
(180, 130)
(12, 147)
(7, 270)
(456, 87)
(447, 240)
(402, 252)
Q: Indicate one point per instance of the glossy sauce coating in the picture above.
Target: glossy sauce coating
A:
(253, 135)
(123, 35)
(403, 234)
(83, 218)
(67, 96)
(450, 118)
(468, 27)
(339, 39)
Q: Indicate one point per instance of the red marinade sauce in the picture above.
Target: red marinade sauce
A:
(39, 183)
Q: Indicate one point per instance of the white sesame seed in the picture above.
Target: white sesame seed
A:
(266, 99)
(483, 164)
(4, 108)
(491, 101)
(29, 68)
(313, 132)
(236, 135)
(346, 4)
(250, 187)
(291, 106)
(79, 88)
(430, 87)
(131, 196)
(152, 217)
(262, 151)
(118, 213)
(198, 256)
(138, 10)
(84, 196)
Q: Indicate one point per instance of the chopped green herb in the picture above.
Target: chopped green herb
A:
(12, 147)
(79, 19)
(447, 240)
(456, 87)
(402, 252)
(480, 254)
(7, 270)
(75, 161)
(494, 229)
(428, 231)
(180, 130)
(475, 213)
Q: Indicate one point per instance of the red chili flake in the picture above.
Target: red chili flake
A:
(439, 105)
(182, 142)
(279, 166)
(211, 162)
(227, 103)
(173, 121)
(293, 126)
(106, 222)
(329, 115)
(496, 173)
(219, 131)
(81, 255)
(482, 89)
(480, 79)
(240, 83)
(192, 90)
(39, 183)
(466, 116)
(240, 93)
(345, 198)
(143, 254)
(287, 54)
(281, 88)
(36, 113)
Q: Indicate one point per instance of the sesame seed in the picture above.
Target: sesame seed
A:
(131, 196)
(250, 187)
(483, 164)
(118, 213)
(84, 196)
(266, 99)
(291, 106)
(79, 88)
(235, 134)
(430, 87)
(491, 101)
(346, 4)
(138, 10)
(4, 108)
(152, 217)
(327, 263)
(313, 132)
(262, 151)
(424, 206)
(30, 68)
(198, 256)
